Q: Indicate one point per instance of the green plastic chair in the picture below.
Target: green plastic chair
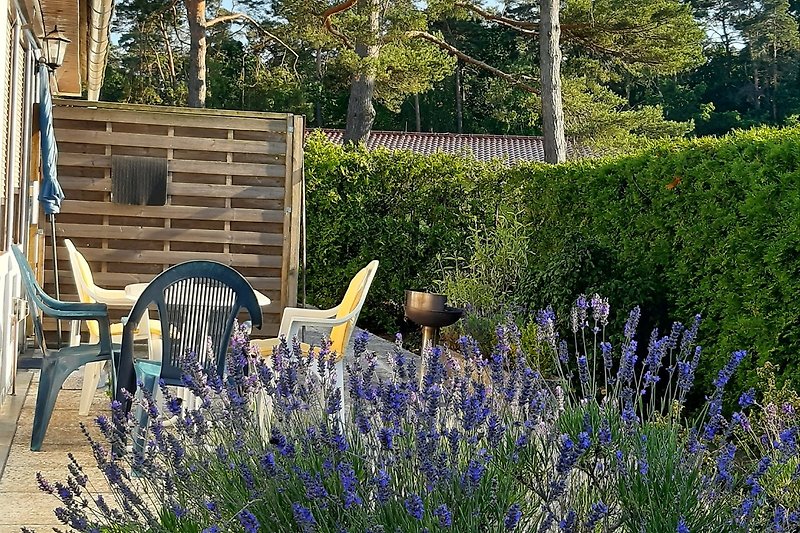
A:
(58, 364)
(196, 301)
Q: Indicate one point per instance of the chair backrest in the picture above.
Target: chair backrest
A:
(84, 280)
(81, 272)
(196, 300)
(39, 301)
(353, 301)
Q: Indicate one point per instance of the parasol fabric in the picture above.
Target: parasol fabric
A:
(50, 193)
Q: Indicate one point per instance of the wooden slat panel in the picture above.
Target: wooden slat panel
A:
(166, 234)
(162, 141)
(159, 256)
(180, 165)
(231, 195)
(145, 114)
(226, 191)
(175, 211)
(182, 189)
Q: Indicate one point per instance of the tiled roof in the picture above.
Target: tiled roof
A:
(513, 148)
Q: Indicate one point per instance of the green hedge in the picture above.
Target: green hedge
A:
(400, 208)
(708, 226)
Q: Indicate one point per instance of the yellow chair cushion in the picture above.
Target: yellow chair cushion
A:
(266, 348)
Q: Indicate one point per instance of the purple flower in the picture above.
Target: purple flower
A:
(579, 313)
(632, 322)
(727, 371)
(568, 524)
(597, 512)
(627, 363)
(584, 441)
(747, 398)
(604, 434)
(600, 309)
(741, 420)
(350, 485)
(513, 516)
(685, 376)
(268, 464)
(475, 470)
(583, 370)
(443, 516)
(682, 527)
(383, 490)
(608, 361)
(314, 488)
(495, 431)
(674, 335)
(248, 521)
(304, 517)
(724, 462)
(414, 506)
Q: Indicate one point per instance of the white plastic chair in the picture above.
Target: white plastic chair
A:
(340, 319)
(88, 292)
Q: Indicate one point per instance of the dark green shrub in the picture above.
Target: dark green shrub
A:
(403, 209)
(708, 226)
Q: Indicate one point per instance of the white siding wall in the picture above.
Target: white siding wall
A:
(11, 123)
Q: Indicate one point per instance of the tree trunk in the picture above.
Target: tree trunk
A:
(774, 88)
(318, 103)
(196, 14)
(417, 117)
(459, 96)
(555, 144)
(360, 112)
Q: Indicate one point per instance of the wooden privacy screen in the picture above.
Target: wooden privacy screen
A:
(233, 195)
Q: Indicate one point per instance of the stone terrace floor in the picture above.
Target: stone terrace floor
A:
(21, 501)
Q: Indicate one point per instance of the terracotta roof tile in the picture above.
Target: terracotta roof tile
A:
(512, 148)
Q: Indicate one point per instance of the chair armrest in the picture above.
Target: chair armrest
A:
(109, 296)
(299, 313)
(294, 324)
(75, 310)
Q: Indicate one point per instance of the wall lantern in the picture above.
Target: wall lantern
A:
(54, 48)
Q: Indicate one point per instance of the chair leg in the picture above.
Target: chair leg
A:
(339, 367)
(140, 433)
(50, 380)
(263, 410)
(91, 377)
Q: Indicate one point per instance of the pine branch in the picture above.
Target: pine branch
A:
(247, 18)
(522, 26)
(452, 50)
(224, 18)
(328, 23)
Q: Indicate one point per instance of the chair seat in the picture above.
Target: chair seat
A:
(155, 329)
(146, 367)
(83, 352)
(266, 347)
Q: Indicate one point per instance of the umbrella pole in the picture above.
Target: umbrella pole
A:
(55, 272)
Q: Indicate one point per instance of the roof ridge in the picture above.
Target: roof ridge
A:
(433, 134)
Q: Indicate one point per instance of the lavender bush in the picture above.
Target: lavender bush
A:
(482, 443)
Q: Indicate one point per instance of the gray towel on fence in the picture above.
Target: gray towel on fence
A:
(138, 180)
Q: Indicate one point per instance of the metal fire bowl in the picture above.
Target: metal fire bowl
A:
(425, 300)
(434, 319)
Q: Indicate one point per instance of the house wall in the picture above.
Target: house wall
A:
(16, 69)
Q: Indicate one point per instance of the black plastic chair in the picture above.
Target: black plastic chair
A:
(58, 364)
(196, 301)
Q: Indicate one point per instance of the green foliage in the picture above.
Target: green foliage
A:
(708, 226)
(400, 208)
